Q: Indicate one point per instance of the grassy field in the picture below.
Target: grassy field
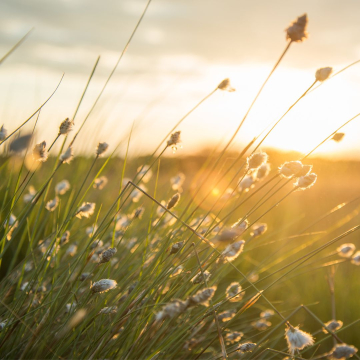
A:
(232, 253)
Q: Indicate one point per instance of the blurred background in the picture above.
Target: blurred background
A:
(179, 54)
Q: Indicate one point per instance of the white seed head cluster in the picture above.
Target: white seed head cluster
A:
(267, 314)
(332, 325)
(66, 126)
(30, 195)
(176, 247)
(261, 324)
(356, 258)
(85, 210)
(202, 297)
(256, 160)
(199, 277)
(138, 213)
(100, 182)
(52, 204)
(297, 30)
(65, 238)
(246, 347)
(226, 315)
(172, 310)
(297, 339)
(247, 183)
(226, 86)
(62, 187)
(67, 156)
(233, 250)
(342, 352)
(177, 182)
(290, 168)
(174, 141)
(145, 173)
(305, 182)
(40, 152)
(263, 171)
(258, 229)
(240, 226)
(103, 285)
(346, 250)
(11, 224)
(323, 74)
(101, 148)
(229, 234)
(106, 255)
(234, 292)
(234, 337)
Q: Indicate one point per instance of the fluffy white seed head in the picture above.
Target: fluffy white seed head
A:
(171, 310)
(40, 152)
(176, 247)
(85, 210)
(305, 182)
(106, 255)
(297, 339)
(240, 226)
(226, 86)
(323, 74)
(267, 314)
(256, 160)
(67, 156)
(52, 204)
(333, 325)
(229, 234)
(174, 141)
(65, 237)
(297, 30)
(290, 168)
(261, 324)
(202, 297)
(103, 285)
(346, 250)
(66, 126)
(62, 187)
(246, 347)
(101, 148)
(100, 182)
(145, 173)
(263, 171)
(258, 229)
(247, 183)
(30, 195)
(356, 258)
(177, 182)
(234, 292)
(342, 352)
(226, 315)
(232, 251)
(199, 278)
(234, 337)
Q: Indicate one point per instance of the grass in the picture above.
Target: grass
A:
(163, 290)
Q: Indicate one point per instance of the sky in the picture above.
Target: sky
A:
(179, 54)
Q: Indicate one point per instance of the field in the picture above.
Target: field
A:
(247, 253)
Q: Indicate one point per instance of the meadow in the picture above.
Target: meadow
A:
(248, 253)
